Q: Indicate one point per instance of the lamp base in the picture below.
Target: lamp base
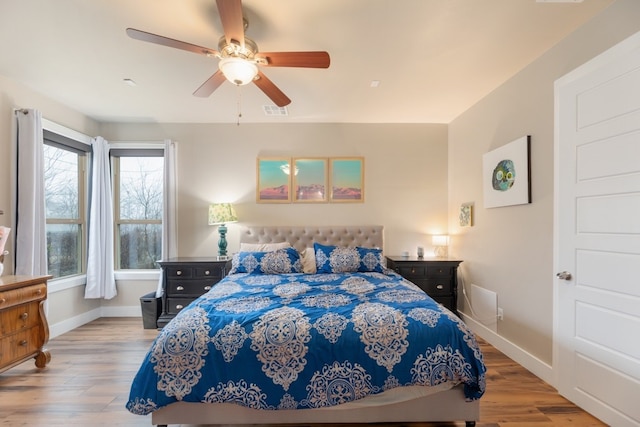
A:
(440, 251)
(222, 243)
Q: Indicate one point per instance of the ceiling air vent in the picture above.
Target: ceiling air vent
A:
(273, 110)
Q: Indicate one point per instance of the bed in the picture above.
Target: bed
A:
(310, 327)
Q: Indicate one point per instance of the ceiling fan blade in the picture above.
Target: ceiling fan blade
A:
(209, 86)
(166, 41)
(296, 59)
(271, 90)
(232, 20)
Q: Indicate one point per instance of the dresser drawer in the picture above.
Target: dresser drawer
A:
(19, 317)
(20, 344)
(12, 297)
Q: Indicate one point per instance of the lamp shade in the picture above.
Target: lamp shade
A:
(222, 213)
(238, 71)
(440, 240)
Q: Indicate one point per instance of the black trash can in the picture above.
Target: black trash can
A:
(151, 309)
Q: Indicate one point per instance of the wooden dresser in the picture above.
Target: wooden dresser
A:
(438, 277)
(23, 325)
(185, 279)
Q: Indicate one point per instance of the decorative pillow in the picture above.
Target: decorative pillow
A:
(336, 259)
(281, 261)
(308, 261)
(263, 247)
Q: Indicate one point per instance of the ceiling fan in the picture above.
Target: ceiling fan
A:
(239, 56)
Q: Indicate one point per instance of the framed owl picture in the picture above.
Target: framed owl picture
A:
(506, 172)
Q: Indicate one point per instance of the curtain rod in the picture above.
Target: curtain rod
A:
(21, 110)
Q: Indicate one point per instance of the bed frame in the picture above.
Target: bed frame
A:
(448, 405)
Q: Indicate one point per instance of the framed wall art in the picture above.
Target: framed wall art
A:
(346, 176)
(466, 215)
(310, 179)
(507, 174)
(273, 176)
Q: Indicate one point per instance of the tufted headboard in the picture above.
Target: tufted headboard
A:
(303, 237)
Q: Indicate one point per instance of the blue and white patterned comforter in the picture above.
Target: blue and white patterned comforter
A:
(295, 341)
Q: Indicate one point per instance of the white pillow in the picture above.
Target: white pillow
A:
(263, 247)
(308, 257)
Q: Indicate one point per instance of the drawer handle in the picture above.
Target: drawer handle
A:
(24, 316)
(179, 273)
(23, 343)
(413, 270)
(180, 288)
(3, 300)
(179, 306)
(207, 288)
(440, 287)
(39, 291)
(206, 273)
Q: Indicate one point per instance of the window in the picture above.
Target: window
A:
(65, 181)
(138, 199)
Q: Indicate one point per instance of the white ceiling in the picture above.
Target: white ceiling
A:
(433, 58)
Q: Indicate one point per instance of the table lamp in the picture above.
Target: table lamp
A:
(221, 214)
(440, 244)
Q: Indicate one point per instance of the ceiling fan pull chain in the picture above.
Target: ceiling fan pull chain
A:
(239, 104)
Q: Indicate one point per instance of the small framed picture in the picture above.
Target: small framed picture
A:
(346, 175)
(466, 215)
(310, 179)
(273, 176)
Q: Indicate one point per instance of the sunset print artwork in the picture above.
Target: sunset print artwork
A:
(347, 179)
(310, 180)
(274, 180)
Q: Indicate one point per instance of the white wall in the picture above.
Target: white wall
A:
(405, 177)
(509, 250)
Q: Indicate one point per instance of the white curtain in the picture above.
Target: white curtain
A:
(101, 281)
(29, 218)
(169, 220)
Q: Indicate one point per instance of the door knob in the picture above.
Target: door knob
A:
(564, 275)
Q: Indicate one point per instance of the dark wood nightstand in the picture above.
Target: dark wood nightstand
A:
(184, 280)
(438, 277)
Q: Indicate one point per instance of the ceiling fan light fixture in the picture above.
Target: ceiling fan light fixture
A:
(238, 71)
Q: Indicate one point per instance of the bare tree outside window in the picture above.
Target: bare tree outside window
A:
(139, 211)
(64, 197)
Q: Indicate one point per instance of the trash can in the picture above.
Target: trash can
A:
(151, 309)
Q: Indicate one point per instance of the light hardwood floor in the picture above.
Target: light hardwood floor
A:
(87, 384)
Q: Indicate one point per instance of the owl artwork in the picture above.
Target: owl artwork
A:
(504, 175)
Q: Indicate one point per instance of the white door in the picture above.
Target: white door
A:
(597, 235)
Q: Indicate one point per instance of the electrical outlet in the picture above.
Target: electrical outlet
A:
(500, 314)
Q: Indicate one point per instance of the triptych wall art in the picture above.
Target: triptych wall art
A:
(310, 180)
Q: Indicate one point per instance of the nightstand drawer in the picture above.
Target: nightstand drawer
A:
(185, 279)
(177, 304)
(436, 286)
(437, 277)
(178, 287)
(411, 271)
(439, 271)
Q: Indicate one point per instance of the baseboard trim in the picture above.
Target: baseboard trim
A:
(74, 322)
(541, 369)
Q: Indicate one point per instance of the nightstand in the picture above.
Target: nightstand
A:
(184, 280)
(438, 277)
